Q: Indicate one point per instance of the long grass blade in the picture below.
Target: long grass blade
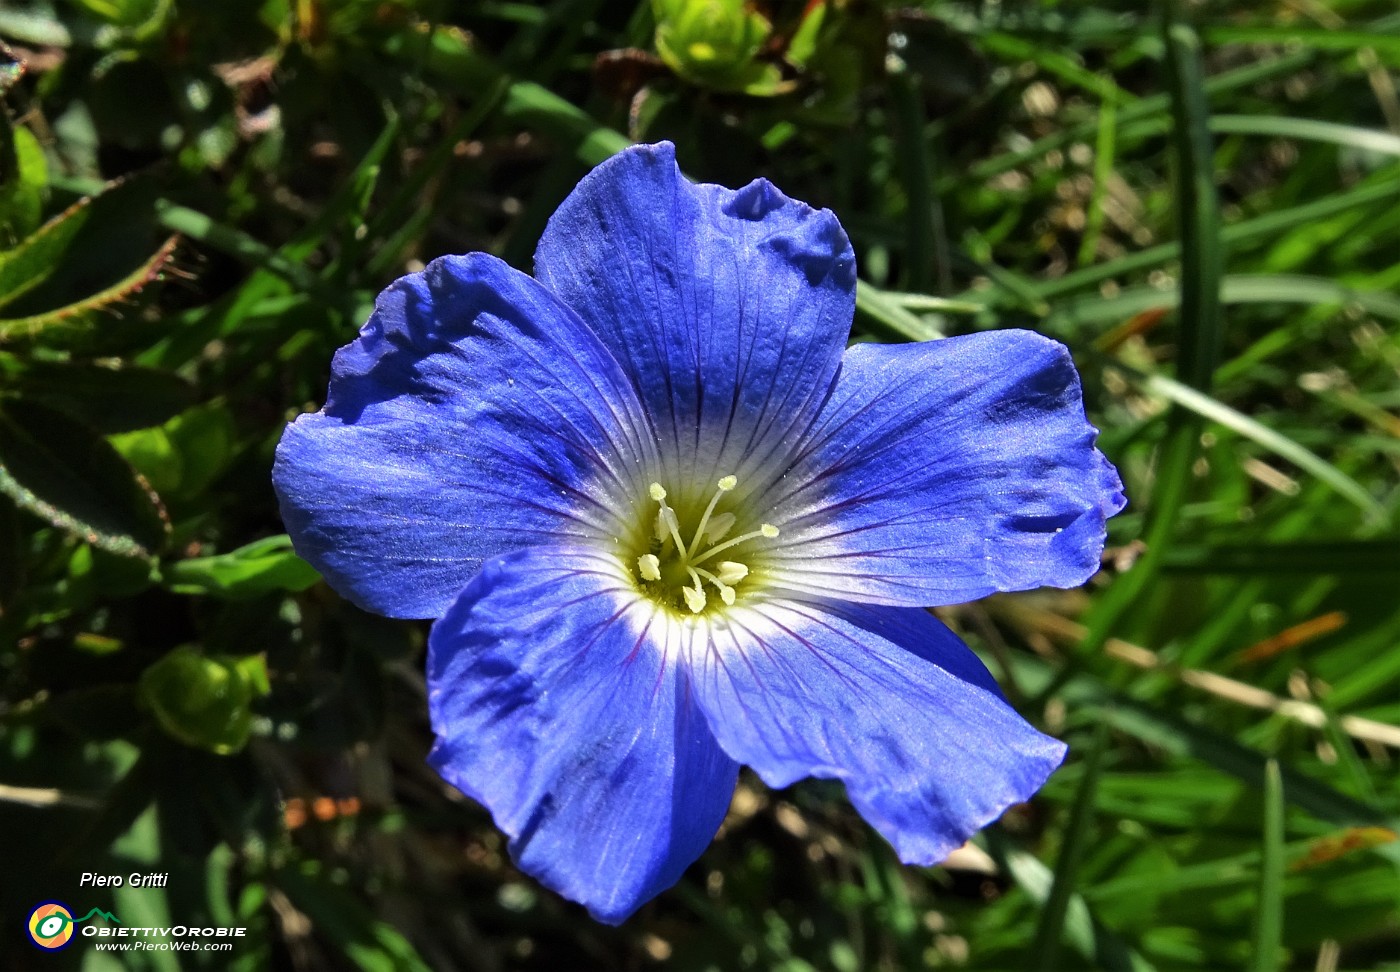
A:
(1377, 189)
(1049, 929)
(1268, 918)
(1277, 443)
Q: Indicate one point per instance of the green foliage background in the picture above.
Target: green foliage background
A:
(1202, 201)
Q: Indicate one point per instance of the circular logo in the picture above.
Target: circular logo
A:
(51, 925)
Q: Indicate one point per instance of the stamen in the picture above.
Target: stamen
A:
(767, 531)
(725, 484)
(666, 522)
(694, 596)
(668, 527)
(726, 593)
(712, 527)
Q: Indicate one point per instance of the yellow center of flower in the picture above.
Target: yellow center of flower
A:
(687, 558)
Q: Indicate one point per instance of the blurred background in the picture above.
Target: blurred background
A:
(199, 200)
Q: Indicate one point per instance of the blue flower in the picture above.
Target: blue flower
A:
(668, 524)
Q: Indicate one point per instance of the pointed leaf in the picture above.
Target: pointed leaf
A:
(110, 399)
(259, 568)
(61, 470)
(83, 319)
(28, 264)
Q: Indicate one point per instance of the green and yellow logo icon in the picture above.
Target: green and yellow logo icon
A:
(51, 924)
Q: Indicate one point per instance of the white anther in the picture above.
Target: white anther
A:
(667, 526)
(728, 483)
(726, 594)
(730, 572)
(658, 493)
(768, 530)
(650, 566)
(694, 599)
(720, 524)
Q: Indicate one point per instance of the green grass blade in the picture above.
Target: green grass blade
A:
(1054, 62)
(916, 172)
(1366, 557)
(1105, 147)
(1198, 346)
(1268, 919)
(891, 316)
(1086, 936)
(235, 243)
(1198, 212)
(1260, 288)
(1049, 929)
(1277, 443)
(1307, 129)
(1182, 737)
(1377, 189)
(1317, 38)
(1143, 108)
(931, 302)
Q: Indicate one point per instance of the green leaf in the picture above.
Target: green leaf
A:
(206, 438)
(25, 266)
(79, 322)
(63, 471)
(110, 398)
(139, 19)
(803, 44)
(23, 177)
(185, 455)
(205, 701)
(346, 924)
(259, 568)
(453, 59)
(236, 243)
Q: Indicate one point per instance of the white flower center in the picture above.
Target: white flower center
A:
(675, 571)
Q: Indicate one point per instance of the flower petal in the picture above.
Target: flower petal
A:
(474, 415)
(557, 704)
(941, 472)
(885, 699)
(729, 309)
